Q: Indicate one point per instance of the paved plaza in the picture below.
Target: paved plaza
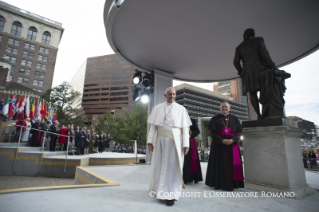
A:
(132, 195)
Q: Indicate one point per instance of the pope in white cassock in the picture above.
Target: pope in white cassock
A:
(169, 133)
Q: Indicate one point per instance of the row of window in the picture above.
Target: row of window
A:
(27, 72)
(106, 94)
(32, 32)
(27, 63)
(25, 80)
(106, 64)
(14, 42)
(103, 59)
(106, 99)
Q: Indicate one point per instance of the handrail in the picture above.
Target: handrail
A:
(45, 132)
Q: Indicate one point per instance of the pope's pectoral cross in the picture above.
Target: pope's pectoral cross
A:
(226, 130)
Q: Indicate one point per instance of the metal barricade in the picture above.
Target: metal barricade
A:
(41, 157)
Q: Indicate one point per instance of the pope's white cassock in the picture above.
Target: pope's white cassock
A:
(169, 133)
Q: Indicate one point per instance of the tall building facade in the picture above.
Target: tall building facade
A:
(107, 85)
(233, 89)
(30, 43)
(205, 103)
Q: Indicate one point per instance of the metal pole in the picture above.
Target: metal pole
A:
(42, 152)
(67, 150)
(16, 155)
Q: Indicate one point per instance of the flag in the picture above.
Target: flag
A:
(42, 111)
(5, 108)
(21, 108)
(39, 107)
(50, 115)
(27, 107)
(31, 108)
(2, 102)
(12, 106)
(35, 108)
(16, 109)
(55, 117)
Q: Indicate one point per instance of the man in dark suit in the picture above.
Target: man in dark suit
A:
(101, 142)
(255, 60)
(53, 129)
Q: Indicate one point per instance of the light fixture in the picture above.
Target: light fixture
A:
(145, 96)
(136, 94)
(147, 80)
(137, 77)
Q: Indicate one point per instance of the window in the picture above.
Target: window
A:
(23, 62)
(45, 58)
(34, 89)
(9, 49)
(13, 60)
(119, 93)
(118, 98)
(120, 67)
(37, 74)
(10, 41)
(16, 42)
(120, 77)
(120, 82)
(9, 78)
(119, 88)
(0, 38)
(35, 82)
(40, 57)
(27, 72)
(14, 51)
(46, 38)
(121, 72)
(92, 80)
(32, 47)
(43, 50)
(2, 22)
(26, 45)
(42, 75)
(44, 67)
(20, 79)
(25, 80)
(46, 51)
(27, 54)
(29, 63)
(32, 33)
(40, 90)
(21, 71)
(38, 65)
(16, 28)
(12, 69)
(41, 83)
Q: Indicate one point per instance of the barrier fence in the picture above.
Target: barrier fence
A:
(42, 148)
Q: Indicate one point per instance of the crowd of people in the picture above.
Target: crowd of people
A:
(58, 137)
(309, 157)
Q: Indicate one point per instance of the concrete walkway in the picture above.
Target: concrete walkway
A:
(133, 196)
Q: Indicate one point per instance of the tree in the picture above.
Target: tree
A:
(125, 126)
(61, 98)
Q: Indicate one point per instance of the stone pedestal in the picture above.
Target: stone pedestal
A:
(272, 157)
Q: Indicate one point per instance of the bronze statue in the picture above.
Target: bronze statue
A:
(259, 73)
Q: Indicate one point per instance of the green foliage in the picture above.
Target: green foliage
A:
(125, 126)
(61, 98)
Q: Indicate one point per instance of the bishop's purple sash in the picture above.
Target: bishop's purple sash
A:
(238, 172)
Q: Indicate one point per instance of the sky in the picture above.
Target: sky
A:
(84, 36)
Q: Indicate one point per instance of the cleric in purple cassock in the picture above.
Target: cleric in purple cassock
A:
(192, 171)
(224, 169)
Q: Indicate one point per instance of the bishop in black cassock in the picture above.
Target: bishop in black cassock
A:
(191, 169)
(224, 169)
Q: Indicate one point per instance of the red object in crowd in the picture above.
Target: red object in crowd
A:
(24, 123)
(63, 131)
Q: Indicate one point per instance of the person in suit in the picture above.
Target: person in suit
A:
(259, 73)
(101, 141)
(108, 141)
(96, 143)
(54, 129)
(92, 141)
(191, 169)
(87, 142)
(36, 136)
(79, 141)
